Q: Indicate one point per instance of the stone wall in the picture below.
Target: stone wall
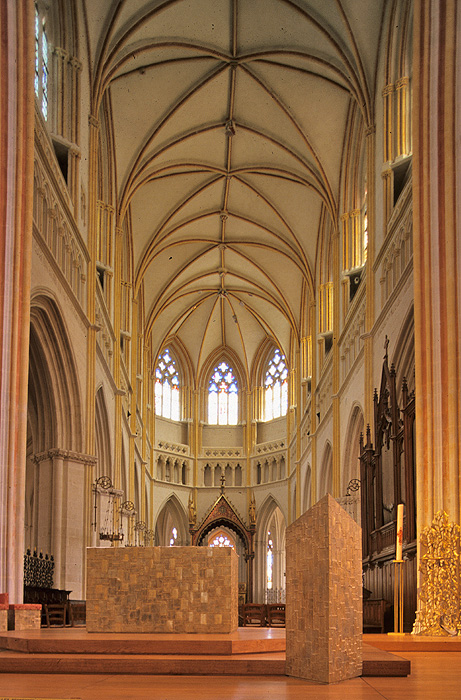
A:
(324, 595)
(162, 589)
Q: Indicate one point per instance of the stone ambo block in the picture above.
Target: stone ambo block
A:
(24, 616)
(324, 595)
(162, 589)
(3, 618)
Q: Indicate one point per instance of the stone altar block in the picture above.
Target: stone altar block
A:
(324, 595)
(162, 589)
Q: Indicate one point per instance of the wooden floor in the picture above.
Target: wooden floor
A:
(434, 676)
(247, 651)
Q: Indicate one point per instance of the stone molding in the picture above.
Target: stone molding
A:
(68, 455)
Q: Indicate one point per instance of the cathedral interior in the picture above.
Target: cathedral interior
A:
(231, 278)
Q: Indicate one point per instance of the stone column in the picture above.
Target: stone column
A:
(437, 257)
(61, 512)
(16, 201)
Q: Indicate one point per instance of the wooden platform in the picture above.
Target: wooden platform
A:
(245, 640)
(412, 642)
(249, 651)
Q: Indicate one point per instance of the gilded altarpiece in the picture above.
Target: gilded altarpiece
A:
(439, 611)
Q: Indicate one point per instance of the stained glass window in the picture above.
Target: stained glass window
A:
(365, 230)
(221, 539)
(269, 561)
(173, 537)
(276, 387)
(223, 396)
(41, 63)
(167, 403)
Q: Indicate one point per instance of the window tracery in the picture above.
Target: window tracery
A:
(221, 539)
(223, 396)
(276, 387)
(167, 385)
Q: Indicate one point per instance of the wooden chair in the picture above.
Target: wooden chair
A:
(254, 615)
(55, 614)
(373, 615)
(276, 615)
(77, 613)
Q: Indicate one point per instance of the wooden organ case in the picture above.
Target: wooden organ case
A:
(387, 479)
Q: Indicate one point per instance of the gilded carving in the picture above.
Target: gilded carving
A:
(439, 612)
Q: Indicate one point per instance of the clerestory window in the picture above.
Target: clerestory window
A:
(276, 387)
(167, 385)
(223, 396)
(41, 63)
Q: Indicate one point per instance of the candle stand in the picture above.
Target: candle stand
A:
(398, 597)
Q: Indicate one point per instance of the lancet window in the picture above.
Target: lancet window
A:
(41, 63)
(167, 385)
(223, 396)
(276, 387)
(365, 230)
(269, 561)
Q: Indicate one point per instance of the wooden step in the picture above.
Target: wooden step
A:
(375, 663)
(245, 652)
(272, 664)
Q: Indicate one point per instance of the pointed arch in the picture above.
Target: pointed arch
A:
(354, 207)
(171, 515)
(55, 432)
(404, 356)
(271, 376)
(270, 519)
(351, 463)
(54, 392)
(103, 447)
(307, 491)
(325, 288)
(168, 383)
(326, 472)
(232, 381)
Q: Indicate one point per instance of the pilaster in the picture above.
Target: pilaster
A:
(370, 287)
(437, 258)
(16, 204)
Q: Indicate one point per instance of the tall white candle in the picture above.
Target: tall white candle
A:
(398, 546)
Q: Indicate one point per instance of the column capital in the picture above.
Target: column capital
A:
(58, 453)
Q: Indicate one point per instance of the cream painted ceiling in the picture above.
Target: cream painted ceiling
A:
(229, 119)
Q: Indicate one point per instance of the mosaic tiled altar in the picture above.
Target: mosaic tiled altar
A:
(324, 595)
(162, 589)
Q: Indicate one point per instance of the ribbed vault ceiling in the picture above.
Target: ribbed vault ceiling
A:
(229, 119)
